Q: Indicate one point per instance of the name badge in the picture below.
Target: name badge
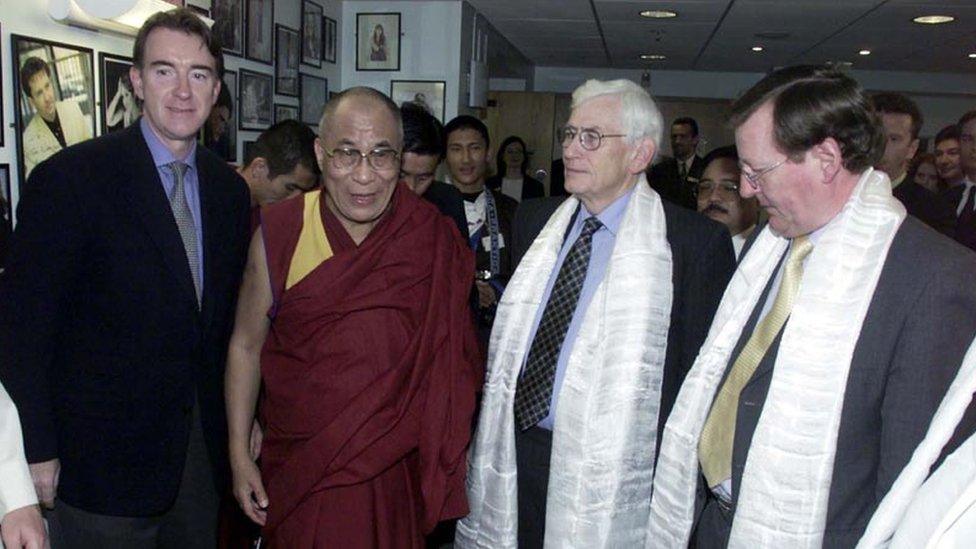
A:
(486, 242)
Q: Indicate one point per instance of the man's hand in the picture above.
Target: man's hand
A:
(486, 294)
(23, 528)
(249, 490)
(257, 437)
(45, 476)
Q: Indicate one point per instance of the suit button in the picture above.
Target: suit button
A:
(748, 403)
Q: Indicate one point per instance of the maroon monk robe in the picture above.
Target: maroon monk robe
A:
(370, 370)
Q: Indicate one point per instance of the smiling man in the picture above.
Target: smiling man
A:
(368, 356)
(118, 298)
(594, 334)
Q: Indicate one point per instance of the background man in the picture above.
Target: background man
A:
(719, 198)
(676, 178)
(21, 525)
(602, 319)
(902, 121)
(854, 359)
(963, 196)
(55, 124)
(368, 358)
(947, 156)
(488, 213)
(118, 298)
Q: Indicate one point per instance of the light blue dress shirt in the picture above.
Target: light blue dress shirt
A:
(602, 247)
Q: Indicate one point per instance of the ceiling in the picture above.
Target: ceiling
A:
(718, 35)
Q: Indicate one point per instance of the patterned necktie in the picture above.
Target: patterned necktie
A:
(715, 445)
(534, 388)
(184, 222)
(682, 171)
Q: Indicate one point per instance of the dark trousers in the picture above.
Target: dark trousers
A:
(190, 523)
(532, 450)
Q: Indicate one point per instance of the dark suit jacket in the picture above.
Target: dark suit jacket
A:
(104, 349)
(929, 207)
(557, 178)
(965, 231)
(450, 203)
(918, 327)
(665, 178)
(531, 188)
(702, 261)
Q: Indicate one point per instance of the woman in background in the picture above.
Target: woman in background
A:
(510, 178)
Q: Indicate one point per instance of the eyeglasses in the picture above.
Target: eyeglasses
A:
(755, 178)
(379, 159)
(589, 138)
(707, 185)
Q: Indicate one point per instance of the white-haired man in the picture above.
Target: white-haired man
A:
(592, 339)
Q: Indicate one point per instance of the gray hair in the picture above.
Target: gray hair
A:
(639, 115)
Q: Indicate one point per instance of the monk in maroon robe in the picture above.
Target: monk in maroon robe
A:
(354, 313)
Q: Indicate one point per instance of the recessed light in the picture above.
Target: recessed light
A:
(864, 52)
(972, 56)
(933, 19)
(652, 57)
(658, 14)
(757, 48)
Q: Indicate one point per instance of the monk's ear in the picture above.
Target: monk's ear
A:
(643, 154)
(829, 157)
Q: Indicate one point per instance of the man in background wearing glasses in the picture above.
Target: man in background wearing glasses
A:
(834, 343)
(719, 198)
(594, 333)
(354, 313)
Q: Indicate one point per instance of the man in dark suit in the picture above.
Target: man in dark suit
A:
(892, 364)
(962, 197)
(902, 121)
(676, 178)
(626, 252)
(118, 302)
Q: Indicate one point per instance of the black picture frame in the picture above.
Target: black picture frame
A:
(118, 105)
(329, 39)
(255, 100)
(314, 94)
(203, 7)
(312, 14)
(72, 70)
(287, 53)
(285, 112)
(430, 94)
(228, 16)
(378, 52)
(6, 212)
(259, 31)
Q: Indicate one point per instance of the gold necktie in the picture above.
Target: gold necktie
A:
(715, 445)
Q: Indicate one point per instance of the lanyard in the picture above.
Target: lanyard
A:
(494, 252)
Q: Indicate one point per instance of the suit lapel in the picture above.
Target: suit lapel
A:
(143, 190)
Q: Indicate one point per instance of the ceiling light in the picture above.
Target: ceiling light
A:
(658, 14)
(972, 56)
(652, 57)
(757, 48)
(864, 52)
(933, 19)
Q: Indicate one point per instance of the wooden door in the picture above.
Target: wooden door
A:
(529, 115)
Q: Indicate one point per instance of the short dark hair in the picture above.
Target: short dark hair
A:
(814, 102)
(966, 118)
(361, 91)
(949, 132)
(500, 164)
(467, 122)
(422, 133)
(31, 67)
(728, 151)
(185, 21)
(284, 146)
(687, 121)
(896, 103)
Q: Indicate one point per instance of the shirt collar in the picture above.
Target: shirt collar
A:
(612, 216)
(160, 154)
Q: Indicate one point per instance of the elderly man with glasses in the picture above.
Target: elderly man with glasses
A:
(593, 335)
(354, 313)
(719, 198)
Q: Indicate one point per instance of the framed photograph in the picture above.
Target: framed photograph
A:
(377, 41)
(285, 112)
(6, 213)
(55, 85)
(202, 7)
(312, 14)
(260, 29)
(219, 132)
(429, 94)
(256, 98)
(329, 40)
(315, 91)
(286, 61)
(117, 99)
(228, 16)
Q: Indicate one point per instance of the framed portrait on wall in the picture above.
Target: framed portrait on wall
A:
(429, 94)
(117, 98)
(202, 7)
(286, 61)
(314, 93)
(329, 40)
(285, 112)
(219, 132)
(228, 16)
(260, 29)
(56, 98)
(312, 14)
(6, 213)
(377, 41)
(256, 98)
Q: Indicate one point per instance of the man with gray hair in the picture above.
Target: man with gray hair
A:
(369, 381)
(593, 336)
